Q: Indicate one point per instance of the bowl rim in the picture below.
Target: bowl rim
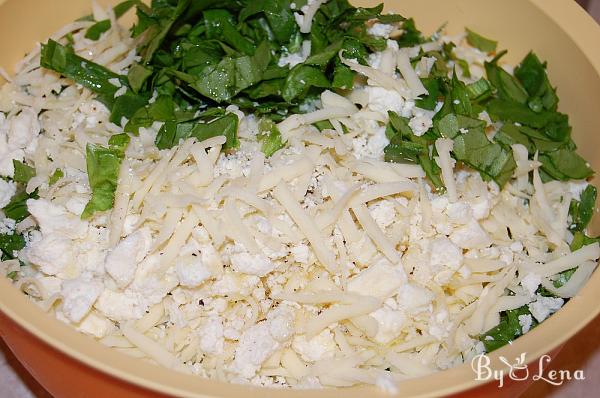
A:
(565, 15)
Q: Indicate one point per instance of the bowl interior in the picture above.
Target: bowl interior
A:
(557, 30)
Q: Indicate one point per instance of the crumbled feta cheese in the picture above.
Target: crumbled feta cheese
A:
(210, 336)
(78, 297)
(459, 212)
(53, 218)
(281, 323)
(296, 58)
(255, 345)
(440, 325)
(24, 129)
(191, 271)
(119, 306)
(378, 280)
(390, 324)
(383, 100)
(530, 282)
(444, 253)
(516, 247)
(374, 59)
(413, 298)
(121, 91)
(321, 346)
(544, 306)
(252, 264)
(51, 284)
(470, 236)
(7, 156)
(381, 30)
(383, 212)
(7, 191)
(420, 123)
(301, 253)
(115, 82)
(52, 254)
(95, 325)
(229, 283)
(480, 207)
(130, 224)
(76, 205)
(121, 262)
(525, 321)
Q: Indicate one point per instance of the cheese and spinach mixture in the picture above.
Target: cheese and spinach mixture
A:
(295, 194)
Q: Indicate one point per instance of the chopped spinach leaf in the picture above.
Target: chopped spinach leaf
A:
(17, 207)
(54, 177)
(480, 42)
(581, 211)
(103, 166)
(490, 159)
(95, 31)
(507, 330)
(23, 173)
(269, 136)
(10, 243)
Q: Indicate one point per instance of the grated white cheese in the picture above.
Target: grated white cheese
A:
(318, 266)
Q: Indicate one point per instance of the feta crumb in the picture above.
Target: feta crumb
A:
(255, 345)
(321, 346)
(191, 271)
(525, 321)
(381, 30)
(24, 129)
(211, 336)
(296, 58)
(470, 236)
(76, 205)
(121, 263)
(444, 253)
(7, 191)
(414, 299)
(383, 212)
(120, 306)
(281, 323)
(379, 280)
(95, 325)
(78, 297)
(115, 82)
(252, 264)
(301, 253)
(52, 254)
(544, 306)
(530, 282)
(420, 123)
(383, 100)
(121, 91)
(53, 218)
(7, 226)
(459, 212)
(480, 207)
(516, 247)
(390, 323)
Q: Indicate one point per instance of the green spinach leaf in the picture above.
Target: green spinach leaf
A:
(103, 166)
(480, 42)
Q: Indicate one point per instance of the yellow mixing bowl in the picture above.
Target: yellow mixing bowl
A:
(70, 364)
